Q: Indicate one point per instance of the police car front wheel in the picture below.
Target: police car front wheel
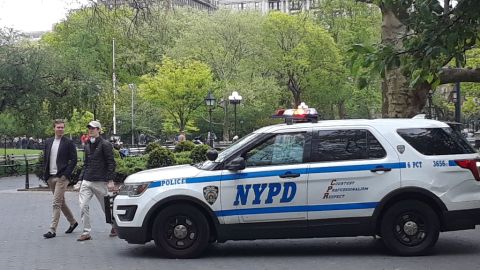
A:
(410, 228)
(181, 231)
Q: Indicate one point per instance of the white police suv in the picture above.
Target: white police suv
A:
(404, 180)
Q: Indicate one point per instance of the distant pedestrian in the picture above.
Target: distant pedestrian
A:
(97, 176)
(181, 137)
(84, 139)
(60, 158)
(197, 140)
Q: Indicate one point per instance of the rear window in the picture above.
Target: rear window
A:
(436, 141)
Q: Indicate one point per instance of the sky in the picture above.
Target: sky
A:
(35, 15)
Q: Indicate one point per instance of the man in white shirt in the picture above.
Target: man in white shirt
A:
(59, 160)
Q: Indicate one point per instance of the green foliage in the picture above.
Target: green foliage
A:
(129, 165)
(77, 123)
(198, 154)
(184, 146)
(152, 146)
(7, 124)
(183, 157)
(160, 157)
(178, 87)
(435, 37)
(304, 57)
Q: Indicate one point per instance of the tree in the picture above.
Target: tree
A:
(77, 124)
(303, 57)
(178, 88)
(351, 23)
(237, 62)
(420, 37)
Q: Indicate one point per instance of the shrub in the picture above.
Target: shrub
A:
(129, 165)
(183, 158)
(152, 146)
(160, 157)
(199, 153)
(184, 146)
(38, 168)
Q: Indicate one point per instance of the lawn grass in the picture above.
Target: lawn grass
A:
(12, 151)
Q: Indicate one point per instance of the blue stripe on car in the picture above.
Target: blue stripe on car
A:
(331, 169)
(290, 209)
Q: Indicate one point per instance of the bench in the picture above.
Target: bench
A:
(132, 151)
(9, 165)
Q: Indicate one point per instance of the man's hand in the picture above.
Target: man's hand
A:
(77, 186)
(111, 186)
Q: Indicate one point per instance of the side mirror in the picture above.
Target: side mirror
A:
(212, 154)
(237, 164)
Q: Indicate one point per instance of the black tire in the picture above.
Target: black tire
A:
(410, 228)
(181, 231)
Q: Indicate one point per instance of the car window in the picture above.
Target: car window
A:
(436, 141)
(279, 149)
(338, 145)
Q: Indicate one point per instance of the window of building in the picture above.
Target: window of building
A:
(274, 5)
(340, 145)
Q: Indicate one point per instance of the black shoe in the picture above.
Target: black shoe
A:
(49, 235)
(71, 228)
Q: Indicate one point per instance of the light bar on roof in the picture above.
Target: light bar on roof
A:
(302, 114)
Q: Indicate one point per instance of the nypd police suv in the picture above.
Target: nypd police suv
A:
(404, 180)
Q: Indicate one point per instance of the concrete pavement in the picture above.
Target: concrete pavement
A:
(25, 217)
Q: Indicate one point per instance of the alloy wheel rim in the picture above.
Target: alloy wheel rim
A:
(410, 229)
(180, 232)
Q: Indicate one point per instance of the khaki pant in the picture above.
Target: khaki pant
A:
(87, 190)
(58, 186)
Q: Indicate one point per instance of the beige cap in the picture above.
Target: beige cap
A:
(94, 124)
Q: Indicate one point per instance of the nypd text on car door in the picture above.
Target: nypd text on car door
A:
(273, 185)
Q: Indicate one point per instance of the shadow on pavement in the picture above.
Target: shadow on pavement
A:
(338, 247)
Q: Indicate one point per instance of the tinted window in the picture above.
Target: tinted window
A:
(337, 145)
(279, 149)
(436, 141)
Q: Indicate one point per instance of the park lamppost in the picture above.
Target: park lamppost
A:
(132, 88)
(210, 102)
(235, 99)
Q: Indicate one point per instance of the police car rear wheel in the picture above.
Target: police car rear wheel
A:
(410, 228)
(181, 231)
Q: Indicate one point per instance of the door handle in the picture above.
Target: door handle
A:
(289, 175)
(381, 169)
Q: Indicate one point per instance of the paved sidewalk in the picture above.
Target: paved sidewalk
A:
(25, 216)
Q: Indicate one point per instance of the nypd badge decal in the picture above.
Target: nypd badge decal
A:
(210, 193)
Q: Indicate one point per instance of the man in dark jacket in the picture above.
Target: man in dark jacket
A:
(97, 175)
(59, 160)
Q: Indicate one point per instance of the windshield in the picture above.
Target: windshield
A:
(210, 165)
(234, 147)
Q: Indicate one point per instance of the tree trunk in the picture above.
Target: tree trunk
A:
(399, 99)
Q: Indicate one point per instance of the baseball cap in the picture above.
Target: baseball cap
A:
(94, 124)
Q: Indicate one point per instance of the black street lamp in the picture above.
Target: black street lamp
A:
(210, 102)
(235, 99)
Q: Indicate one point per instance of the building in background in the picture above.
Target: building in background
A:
(265, 6)
(143, 4)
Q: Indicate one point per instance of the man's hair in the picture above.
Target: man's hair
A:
(58, 121)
